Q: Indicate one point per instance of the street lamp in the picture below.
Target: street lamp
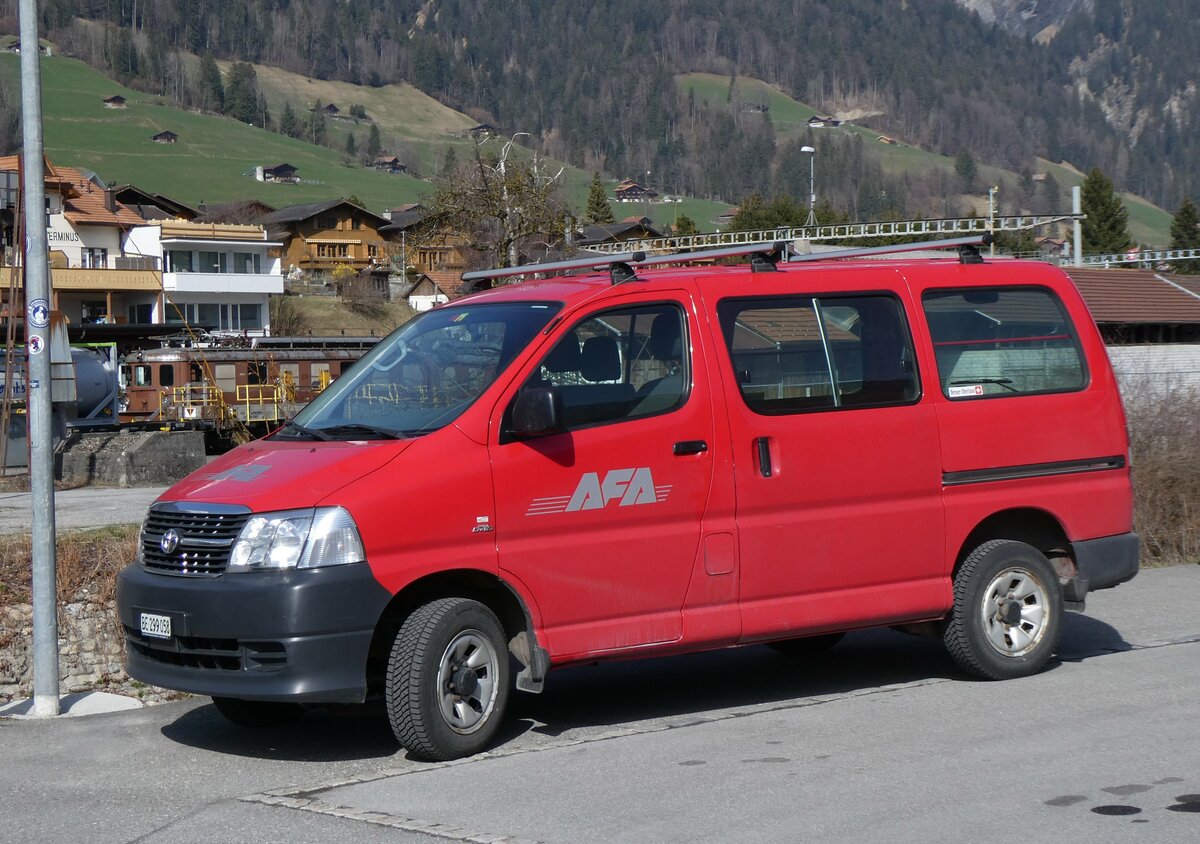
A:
(992, 191)
(812, 190)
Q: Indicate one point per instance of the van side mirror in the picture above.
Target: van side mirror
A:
(536, 412)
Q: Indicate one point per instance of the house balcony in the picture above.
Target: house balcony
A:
(77, 278)
(183, 282)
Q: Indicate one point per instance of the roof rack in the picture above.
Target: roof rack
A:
(622, 266)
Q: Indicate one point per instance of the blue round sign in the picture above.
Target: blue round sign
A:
(39, 313)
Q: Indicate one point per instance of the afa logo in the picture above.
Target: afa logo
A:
(626, 487)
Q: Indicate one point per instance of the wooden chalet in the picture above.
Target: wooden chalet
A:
(388, 164)
(115, 101)
(630, 191)
(283, 172)
(165, 137)
(631, 228)
(320, 236)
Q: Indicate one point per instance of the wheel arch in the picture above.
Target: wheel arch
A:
(1033, 526)
(486, 588)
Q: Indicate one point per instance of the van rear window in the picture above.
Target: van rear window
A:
(1005, 341)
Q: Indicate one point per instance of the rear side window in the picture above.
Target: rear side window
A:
(1006, 341)
(802, 353)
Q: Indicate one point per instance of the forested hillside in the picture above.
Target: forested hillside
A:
(596, 82)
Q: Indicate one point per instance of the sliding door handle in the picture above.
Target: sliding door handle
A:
(763, 445)
(690, 447)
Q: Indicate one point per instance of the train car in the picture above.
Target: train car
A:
(239, 391)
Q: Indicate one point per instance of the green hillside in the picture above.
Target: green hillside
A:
(1147, 222)
(213, 160)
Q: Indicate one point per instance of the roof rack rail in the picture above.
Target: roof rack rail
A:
(965, 245)
(622, 266)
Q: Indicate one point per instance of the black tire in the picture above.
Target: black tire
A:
(258, 713)
(443, 647)
(1007, 614)
(808, 645)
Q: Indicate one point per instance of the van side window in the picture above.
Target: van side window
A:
(1004, 341)
(803, 353)
(620, 364)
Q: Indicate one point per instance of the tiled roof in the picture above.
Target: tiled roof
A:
(448, 281)
(1135, 296)
(87, 203)
(296, 213)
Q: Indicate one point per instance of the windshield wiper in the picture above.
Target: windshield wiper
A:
(350, 428)
(1003, 382)
(303, 433)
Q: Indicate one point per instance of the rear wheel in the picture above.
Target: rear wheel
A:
(447, 679)
(1007, 611)
(258, 713)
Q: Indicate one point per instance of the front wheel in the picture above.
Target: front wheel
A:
(1008, 606)
(447, 679)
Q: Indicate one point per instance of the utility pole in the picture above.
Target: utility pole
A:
(38, 394)
(1077, 226)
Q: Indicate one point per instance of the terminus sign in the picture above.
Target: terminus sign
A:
(627, 486)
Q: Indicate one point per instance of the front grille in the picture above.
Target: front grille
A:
(205, 533)
(207, 654)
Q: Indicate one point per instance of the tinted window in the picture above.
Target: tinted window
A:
(620, 364)
(816, 353)
(1002, 342)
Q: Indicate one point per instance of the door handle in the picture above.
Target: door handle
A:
(690, 447)
(764, 456)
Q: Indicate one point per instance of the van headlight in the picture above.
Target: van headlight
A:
(297, 539)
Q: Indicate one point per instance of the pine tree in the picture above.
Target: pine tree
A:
(351, 146)
(374, 143)
(316, 125)
(212, 92)
(964, 166)
(598, 212)
(1106, 228)
(685, 225)
(288, 124)
(1185, 234)
(449, 163)
(241, 94)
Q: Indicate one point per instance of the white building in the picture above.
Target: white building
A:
(216, 276)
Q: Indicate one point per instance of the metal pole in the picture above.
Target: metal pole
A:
(38, 394)
(992, 215)
(812, 189)
(1077, 208)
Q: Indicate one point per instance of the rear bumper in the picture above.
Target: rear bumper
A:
(1104, 563)
(283, 636)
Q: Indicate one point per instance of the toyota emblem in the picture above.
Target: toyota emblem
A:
(169, 541)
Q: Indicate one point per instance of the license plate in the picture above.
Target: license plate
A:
(156, 626)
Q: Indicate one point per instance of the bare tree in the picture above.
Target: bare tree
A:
(500, 206)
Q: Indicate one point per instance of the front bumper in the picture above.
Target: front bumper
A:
(282, 636)
(1103, 563)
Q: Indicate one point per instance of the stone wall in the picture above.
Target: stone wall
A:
(130, 458)
(90, 647)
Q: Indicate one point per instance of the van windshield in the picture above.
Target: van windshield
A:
(423, 375)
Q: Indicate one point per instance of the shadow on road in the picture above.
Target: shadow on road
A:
(334, 734)
(617, 693)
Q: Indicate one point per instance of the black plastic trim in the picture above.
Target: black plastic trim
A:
(1033, 470)
(1106, 562)
(282, 635)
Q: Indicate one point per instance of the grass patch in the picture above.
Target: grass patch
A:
(87, 564)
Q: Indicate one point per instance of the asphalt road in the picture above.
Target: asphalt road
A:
(880, 740)
(84, 507)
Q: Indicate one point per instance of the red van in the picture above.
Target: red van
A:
(644, 461)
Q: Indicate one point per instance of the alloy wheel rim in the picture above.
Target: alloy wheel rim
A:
(467, 675)
(1015, 612)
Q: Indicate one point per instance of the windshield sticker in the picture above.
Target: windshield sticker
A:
(460, 317)
(624, 486)
(963, 392)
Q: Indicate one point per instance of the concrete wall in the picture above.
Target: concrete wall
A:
(131, 458)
